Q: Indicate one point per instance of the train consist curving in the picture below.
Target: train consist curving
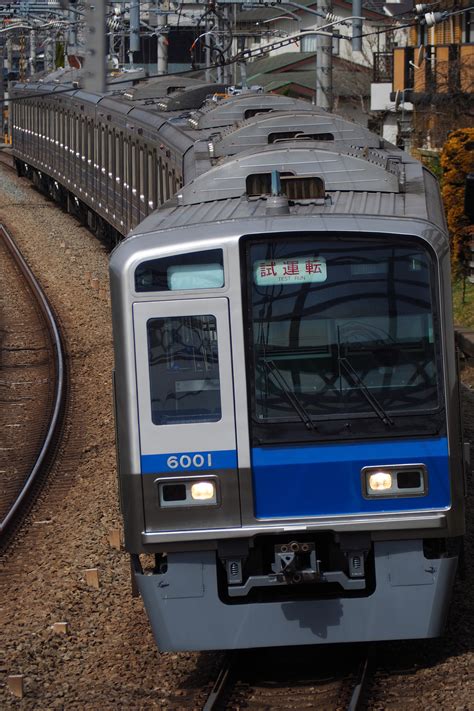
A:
(289, 439)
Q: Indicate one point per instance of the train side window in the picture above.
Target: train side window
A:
(126, 163)
(90, 143)
(110, 151)
(78, 136)
(181, 272)
(103, 149)
(176, 182)
(161, 181)
(151, 180)
(183, 364)
(134, 169)
(118, 153)
(96, 147)
(70, 137)
(141, 175)
(84, 139)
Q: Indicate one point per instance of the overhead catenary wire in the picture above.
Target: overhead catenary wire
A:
(239, 56)
(418, 21)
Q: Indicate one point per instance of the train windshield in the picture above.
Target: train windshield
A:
(341, 330)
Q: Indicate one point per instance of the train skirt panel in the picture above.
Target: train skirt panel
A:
(410, 601)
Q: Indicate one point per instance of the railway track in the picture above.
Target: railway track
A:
(6, 159)
(298, 679)
(32, 375)
(101, 678)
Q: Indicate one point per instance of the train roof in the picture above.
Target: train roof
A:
(356, 204)
(368, 182)
(231, 148)
(160, 87)
(279, 126)
(244, 106)
(357, 169)
(190, 98)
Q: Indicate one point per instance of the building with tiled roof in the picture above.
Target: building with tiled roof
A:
(294, 74)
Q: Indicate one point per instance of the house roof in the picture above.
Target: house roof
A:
(344, 84)
(272, 73)
(287, 61)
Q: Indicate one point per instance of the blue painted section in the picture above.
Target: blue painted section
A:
(189, 462)
(322, 480)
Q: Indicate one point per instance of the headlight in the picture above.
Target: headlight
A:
(394, 480)
(188, 491)
(379, 481)
(203, 491)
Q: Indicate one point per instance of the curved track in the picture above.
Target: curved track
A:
(6, 158)
(32, 377)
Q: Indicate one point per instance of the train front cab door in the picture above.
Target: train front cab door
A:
(186, 413)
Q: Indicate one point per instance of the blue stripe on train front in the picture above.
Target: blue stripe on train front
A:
(181, 462)
(322, 480)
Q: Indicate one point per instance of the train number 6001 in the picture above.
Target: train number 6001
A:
(187, 461)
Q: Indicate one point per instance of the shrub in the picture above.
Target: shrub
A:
(457, 160)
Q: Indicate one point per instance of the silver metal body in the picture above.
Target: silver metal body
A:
(290, 547)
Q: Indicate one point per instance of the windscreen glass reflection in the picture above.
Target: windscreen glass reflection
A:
(340, 329)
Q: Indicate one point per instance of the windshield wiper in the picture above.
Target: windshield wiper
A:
(298, 407)
(373, 402)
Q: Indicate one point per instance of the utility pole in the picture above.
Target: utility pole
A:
(134, 29)
(228, 54)
(161, 43)
(94, 62)
(32, 58)
(242, 64)
(357, 26)
(49, 54)
(324, 99)
(72, 35)
(207, 51)
(217, 43)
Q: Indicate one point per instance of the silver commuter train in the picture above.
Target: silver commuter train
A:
(286, 394)
(112, 159)
(287, 398)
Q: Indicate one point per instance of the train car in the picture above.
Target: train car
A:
(112, 159)
(287, 405)
(291, 463)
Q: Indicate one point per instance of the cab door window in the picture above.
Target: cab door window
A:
(183, 365)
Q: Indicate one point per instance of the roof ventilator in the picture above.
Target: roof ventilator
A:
(282, 136)
(293, 187)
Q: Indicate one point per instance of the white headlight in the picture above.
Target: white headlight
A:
(203, 491)
(380, 481)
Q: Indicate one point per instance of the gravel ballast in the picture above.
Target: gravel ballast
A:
(108, 658)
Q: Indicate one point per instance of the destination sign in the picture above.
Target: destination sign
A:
(291, 270)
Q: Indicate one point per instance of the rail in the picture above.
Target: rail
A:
(60, 380)
(358, 681)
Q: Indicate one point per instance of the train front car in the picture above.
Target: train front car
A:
(287, 402)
